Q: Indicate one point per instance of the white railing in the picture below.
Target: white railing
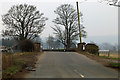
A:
(105, 52)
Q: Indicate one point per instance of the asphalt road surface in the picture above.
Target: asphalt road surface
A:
(69, 65)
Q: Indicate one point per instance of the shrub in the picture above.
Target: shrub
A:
(92, 48)
(26, 45)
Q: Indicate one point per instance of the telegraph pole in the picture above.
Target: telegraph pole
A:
(79, 22)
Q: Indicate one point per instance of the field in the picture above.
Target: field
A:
(110, 55)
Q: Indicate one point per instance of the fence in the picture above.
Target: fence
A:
(7, 60)
(104, 53)
(108, 53)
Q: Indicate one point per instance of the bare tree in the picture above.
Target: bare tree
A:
(23, 22)
(50, 42)
(66, 25)
(111, 2)
(53, 43)
(57, 44)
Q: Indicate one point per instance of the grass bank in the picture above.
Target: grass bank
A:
(13, 65)
(112, 62)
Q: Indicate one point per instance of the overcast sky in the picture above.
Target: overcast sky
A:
(100, 19)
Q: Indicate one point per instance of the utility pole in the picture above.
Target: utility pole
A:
(79, 22)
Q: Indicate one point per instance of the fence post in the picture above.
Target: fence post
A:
(108, 54)
(98, 53)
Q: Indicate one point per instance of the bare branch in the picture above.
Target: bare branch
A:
(66, 26)
(23, 20)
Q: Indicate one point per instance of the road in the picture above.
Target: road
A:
(69, 65)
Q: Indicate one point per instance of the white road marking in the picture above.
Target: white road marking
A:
(82, 76)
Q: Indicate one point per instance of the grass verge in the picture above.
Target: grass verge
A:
(114, 65)
(110, 57)
(104, 60)
(17, 62)
(13, 69)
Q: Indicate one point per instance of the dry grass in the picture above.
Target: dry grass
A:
(103, 59)
(111, 55)
(13, 63)
(8, 59)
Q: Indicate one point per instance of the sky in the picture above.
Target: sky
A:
(100, 20)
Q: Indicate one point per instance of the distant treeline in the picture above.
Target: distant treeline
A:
(11, 42)
(7, 42)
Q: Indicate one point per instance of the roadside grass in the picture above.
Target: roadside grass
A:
(110, 57)
(14, 63)
(103, 56)
(114, 65)
(19, 62)
(115, 57)
(14, 68)
(111, 61)
(11, 70)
